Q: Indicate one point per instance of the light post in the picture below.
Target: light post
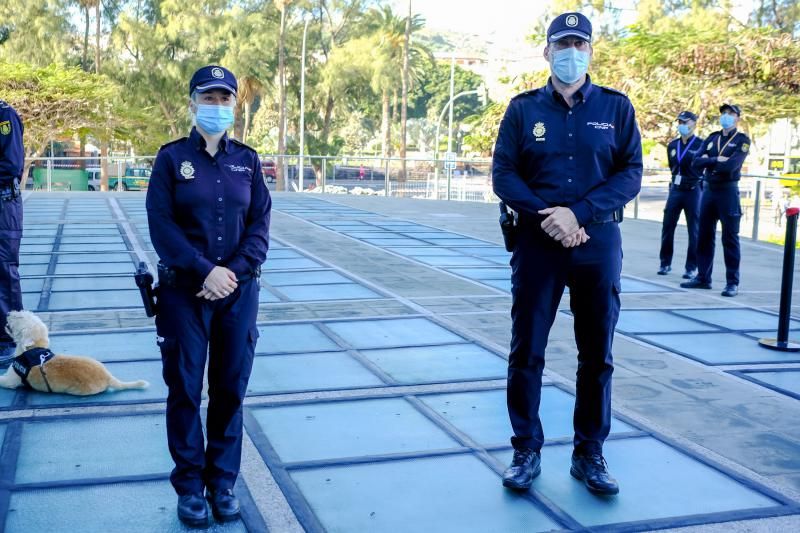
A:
(448, 105)
(306, 19)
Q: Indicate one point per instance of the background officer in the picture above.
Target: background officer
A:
(12, 161)
(684, 194)
(721, 162)
(209, 209)
(568, 156)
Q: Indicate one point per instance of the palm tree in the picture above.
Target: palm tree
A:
(283, 6)
(249, 88)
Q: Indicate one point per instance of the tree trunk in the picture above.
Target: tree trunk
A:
(173, 129)
(246, 127)
(97, 38)
(279, 174)
(404, 105)
(104, 167)
(386, 128)
(326, 124)
(85, 58)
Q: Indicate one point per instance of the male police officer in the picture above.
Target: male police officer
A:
(568, 157)
(12, 159)
(721, 161)
(684, 194)
(209, 210)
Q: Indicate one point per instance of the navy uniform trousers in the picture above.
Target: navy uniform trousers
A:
(225, 330)
(719, 205)
(687, 201)
(541, 268)
(10, 236)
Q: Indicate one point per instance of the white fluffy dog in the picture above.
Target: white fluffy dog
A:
(67, 374)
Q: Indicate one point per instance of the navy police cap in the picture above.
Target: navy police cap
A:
(213, 77)
(730, 107)
(568, 24)
(687, 115)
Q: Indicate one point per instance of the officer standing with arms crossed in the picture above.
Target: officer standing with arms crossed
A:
(568, 157)
(721, 162)
(684, 194)
(209, 210)
(12, 162)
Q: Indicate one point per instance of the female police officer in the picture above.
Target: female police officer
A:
(209, 210)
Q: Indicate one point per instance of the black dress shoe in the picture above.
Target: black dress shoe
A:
(695, 283)
(592, 469)
(224, 504)
(730, 290)
(664, 270)
(526, 465)
(192, 510)
(689, 274)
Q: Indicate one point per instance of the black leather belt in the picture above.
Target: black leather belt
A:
(181, 279)
(526, 219)
(722, 185)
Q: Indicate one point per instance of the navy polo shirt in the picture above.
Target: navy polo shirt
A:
(12, 153)
(587, 158)
(681, 155)
(735, 146)
(206, 211)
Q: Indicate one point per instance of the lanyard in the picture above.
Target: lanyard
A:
(688, 145)
(719, 150)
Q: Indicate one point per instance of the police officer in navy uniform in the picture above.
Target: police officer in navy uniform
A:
(12, 161)
(208, 209)
(568, 157)
(684, 194)
(721, 162)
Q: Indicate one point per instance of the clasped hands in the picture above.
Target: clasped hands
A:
(562, 226)
(219, 283)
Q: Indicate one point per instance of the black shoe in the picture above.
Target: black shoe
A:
(731, 290)
(592, 469)
(695, 283)
(192, 510)
(224, 504)
(526, 465)
(664, 270)
(689, 274)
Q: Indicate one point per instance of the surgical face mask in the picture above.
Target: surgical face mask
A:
(727, 121)
(684, 130)
(569, 64)
(214, 119)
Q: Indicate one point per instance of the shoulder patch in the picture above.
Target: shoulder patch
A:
(530, 92)
(240, 143)
(612, 91)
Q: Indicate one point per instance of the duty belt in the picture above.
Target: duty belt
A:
(181, 279)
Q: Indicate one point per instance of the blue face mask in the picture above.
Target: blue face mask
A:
(214, 119)
(684, 130)
(569, 64)
(727, 121)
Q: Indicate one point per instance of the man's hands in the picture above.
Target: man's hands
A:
(562, 226)
(219, 283)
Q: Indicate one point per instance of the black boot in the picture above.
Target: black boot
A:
(526, 465)
(192, 510)
(695, 283)
(224, 504)
(592, 469)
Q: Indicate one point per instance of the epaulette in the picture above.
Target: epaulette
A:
(3, 104)
(240, 143)
(173, 142)
(612, 91)
(526, 93)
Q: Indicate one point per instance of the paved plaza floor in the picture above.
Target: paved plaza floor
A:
(377, 399)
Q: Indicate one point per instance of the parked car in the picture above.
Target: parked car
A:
(135, 179)
(342, 172)
(268, 170)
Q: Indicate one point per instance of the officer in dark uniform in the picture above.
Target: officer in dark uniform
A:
(568, 157)
(209, 210)
(684, 194)
(721, 162)
(12, 161)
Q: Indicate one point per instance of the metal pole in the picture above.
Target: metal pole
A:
(50, 173)
(448, 105)
(452, 97)
(756, 210)
(782, 343)
(636, 207)
(302, 107)
(324, 172)
(386, 179)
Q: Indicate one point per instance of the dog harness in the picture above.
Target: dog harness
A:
(23, 364)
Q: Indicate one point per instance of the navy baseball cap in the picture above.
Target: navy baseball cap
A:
(731, 107)
(568, 24)
(213, 77)
(687, 115)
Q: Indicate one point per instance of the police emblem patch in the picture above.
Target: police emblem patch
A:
(539, 130)
(217, 73)
(187, 170)
(572, 21)
(5, 127)
(673, 152)
(745, 147)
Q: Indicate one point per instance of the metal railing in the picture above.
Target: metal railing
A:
(764, 199)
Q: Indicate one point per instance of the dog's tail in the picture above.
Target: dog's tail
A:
(114, 383)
